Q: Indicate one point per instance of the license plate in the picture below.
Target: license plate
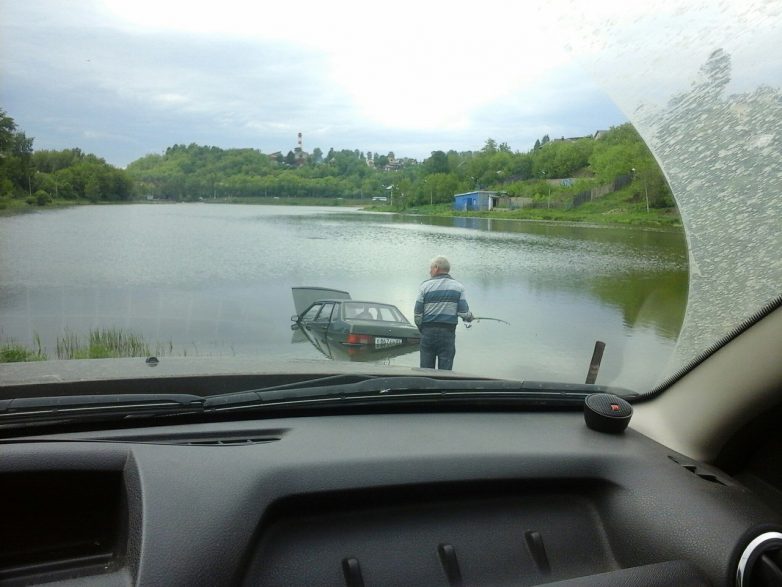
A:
(381, 342)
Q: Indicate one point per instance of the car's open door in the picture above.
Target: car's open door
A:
(304, 297)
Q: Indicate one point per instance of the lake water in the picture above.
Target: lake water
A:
(213, 279)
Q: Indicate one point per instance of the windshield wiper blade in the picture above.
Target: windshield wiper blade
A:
(413, 389)
(354, 389)
(86, 406)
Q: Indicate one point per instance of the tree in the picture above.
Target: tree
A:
(92, 189)
(317, 156)
(290, 158)
(437, 163)
(7, 130)
(15, 157)
(490, 147)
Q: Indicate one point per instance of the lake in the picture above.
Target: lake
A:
(215, 279)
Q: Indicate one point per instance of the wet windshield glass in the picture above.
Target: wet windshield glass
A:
(186, 180)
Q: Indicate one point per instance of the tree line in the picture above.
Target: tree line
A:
(40, 177)
(195, 172)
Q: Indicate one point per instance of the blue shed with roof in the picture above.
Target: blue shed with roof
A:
(478, 200)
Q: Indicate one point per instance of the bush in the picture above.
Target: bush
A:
(42, 198)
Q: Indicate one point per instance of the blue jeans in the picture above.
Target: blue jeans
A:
(437, 344)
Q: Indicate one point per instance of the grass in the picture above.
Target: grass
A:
(13, 206)
(104, 343)
(616, 208)
(12, 352)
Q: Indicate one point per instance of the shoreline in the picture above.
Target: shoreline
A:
(668, 220)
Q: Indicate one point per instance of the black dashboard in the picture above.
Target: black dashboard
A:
(451, 498)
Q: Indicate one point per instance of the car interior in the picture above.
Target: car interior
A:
(410, 495)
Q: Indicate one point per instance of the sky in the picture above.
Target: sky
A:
(124, 79)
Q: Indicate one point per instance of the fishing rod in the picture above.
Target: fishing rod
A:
(479, 318)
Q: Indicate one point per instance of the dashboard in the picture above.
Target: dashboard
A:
(350, 499)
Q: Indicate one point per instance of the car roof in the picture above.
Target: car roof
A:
(353, 302)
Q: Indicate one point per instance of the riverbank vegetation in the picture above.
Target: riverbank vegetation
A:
(13, 352)
(609, 177)
(102, 343)
(31, 178)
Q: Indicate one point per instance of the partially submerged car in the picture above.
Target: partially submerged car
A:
(342, 328)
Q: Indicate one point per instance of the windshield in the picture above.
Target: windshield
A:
(534, 182)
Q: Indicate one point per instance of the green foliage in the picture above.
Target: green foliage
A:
(18, 353)
(102, 344)
(38, 177)
(42, 198)
(622, 152)
(194, 172)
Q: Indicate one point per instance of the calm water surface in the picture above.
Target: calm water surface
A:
(215, 279)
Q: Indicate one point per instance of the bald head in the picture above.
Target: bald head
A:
(439, 265)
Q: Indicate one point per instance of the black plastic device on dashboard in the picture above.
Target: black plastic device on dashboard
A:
(606, 412)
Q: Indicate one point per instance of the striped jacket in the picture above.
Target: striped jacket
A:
(441, 301)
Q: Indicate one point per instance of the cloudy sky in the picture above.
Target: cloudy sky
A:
(125, 78)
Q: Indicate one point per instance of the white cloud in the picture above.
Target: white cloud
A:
(406, 64)
(408, 77)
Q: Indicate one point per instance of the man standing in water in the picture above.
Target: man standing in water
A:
(439, 306)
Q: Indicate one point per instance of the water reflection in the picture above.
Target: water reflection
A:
(337, 352)
(647, 300)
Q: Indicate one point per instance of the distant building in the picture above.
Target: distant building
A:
(478, 200)
(570, 139)
(598, 134)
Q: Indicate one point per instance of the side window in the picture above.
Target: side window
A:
(310, 314)
(325, 314)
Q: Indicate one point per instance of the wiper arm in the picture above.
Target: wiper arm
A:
(75, 408)
(87, 406)
(412, 389)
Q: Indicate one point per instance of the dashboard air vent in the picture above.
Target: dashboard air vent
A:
(760, 564)
(228, 441)
(235, 438)
(695, 470)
